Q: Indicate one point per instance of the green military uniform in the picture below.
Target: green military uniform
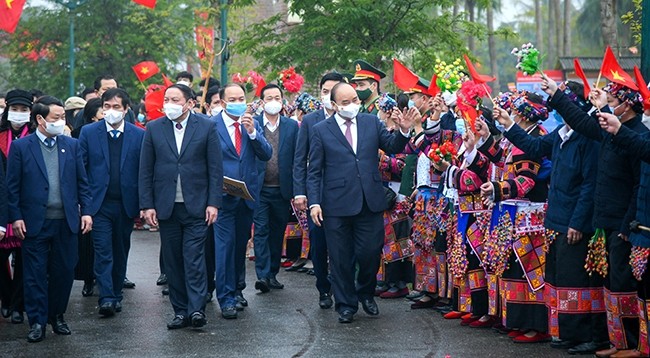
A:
(365, 71)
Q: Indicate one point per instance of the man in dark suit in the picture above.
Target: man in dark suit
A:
(181, 178)
(274, 203)
(242, 144)
(111, 153)
(47, 190)
(346, 196)
(317, 243)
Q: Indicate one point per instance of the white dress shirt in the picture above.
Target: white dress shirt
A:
(229, 122)
(272, 127)
(180, 133)
(120, 129)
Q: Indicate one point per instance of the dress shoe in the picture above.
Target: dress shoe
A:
(379, 289)
(36, 333)
(229, 312)
(588, 347)
(88, 290)
(302, 269)
(453, 315)
(563, 344)
(59, 326)
(198, 319)
(346, 316)
(483, 324)
(6, 312)
(241, 300)
(414, 295)
(297, 265)
(466, 316)
(325, 301)
(606, 352)
(627, 354)
(107, 309)
(17, 317)
(515, 333)
(370, 306)
(262, 285)
(394, 292)
(469, 320)
(162, 280)
(178, 322)
(118, 306)
(537, 338)
(165, 291)
(423, 304)
(286, 263)
(127, 283)
(275, 284)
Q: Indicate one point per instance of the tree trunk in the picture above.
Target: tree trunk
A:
(456, 8)
(494, 68)
(539, 42)
(608, 23)
(567, 28)
(469, 8)
(559, 38)
(552, 36)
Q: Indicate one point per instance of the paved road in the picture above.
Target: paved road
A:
(285, 323)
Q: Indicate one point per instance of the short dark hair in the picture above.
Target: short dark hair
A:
(331, 76)
(119, 93)
(336, 89)
(99, 79)
(211, 82)
(222, 91)
(402, 101)
(36, 93)
(185, 74)
(185, 90)
(91, 108)
(42, 106)
(86, 92)
(211, 92)
(268, 87)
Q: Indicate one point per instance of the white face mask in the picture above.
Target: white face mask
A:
(327, 101)
(55, 128)
(216, 110)
(172, 111)
(349, 111)
(18, 117)
(273, 107)
(183, 83)
(113, 117)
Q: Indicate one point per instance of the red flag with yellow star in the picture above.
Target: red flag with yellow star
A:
(613, 71)
(145, 69)
(10, 11)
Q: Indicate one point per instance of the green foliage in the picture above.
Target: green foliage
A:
(333, 34)
(110, 37)
(633, 18)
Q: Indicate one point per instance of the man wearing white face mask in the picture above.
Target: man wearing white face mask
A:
(47, 191)
(272, 210)
(111, 154)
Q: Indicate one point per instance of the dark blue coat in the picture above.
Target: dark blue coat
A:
(286, 150)
(94, 150)
(573, 176)
(27, 183)
(302, 151)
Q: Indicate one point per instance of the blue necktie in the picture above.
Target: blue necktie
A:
(115, 133)
(49, 142)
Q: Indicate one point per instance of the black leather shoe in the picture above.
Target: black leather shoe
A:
(198, 319)
(262, 285)
(275, 284)
(88, 290)
(107, 309)
(562, 344)
(346, 316)
(296, 265)
(229, 312)
(242, 300)
(36, 333)
(128, 283)
(165, 291)
(17, 317)
(325, 301)
(178, 322)
(6, 312)
(162, 280)
(59, 326)
(370, 306)
(588, 347)
(118, 306)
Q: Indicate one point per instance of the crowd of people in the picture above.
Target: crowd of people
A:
(489, 219)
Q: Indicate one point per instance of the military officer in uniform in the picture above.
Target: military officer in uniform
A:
(367, 78)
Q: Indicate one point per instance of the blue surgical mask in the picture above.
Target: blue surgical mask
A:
(411, 104)
(236, 109)
(140, 117)
(612, 109)
(460, 126)
(499, 126)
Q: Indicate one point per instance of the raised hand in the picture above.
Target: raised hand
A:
(609, 122)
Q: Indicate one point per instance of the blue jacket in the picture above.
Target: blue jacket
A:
(93, 143)
(340, 180)
(573, 176)
(27, 183)
(302, 151)
(286, 149)
(243, 167)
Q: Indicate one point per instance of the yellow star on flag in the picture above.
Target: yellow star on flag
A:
(8, 2)
(616, 76)
(144, 70)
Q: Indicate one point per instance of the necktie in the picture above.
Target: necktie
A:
(348, 132)
(115, 133)
(237, 138)
(179, 126)
(49, 142)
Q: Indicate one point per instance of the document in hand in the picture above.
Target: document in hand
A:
(236, 188)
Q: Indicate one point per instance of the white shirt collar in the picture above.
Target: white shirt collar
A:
(109, 128)
(341, 121)
(227, 120)
(183, 123)
(272, 127)
(565, 133)
(42, 136)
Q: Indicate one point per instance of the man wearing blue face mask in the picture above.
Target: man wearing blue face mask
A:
(242, 144)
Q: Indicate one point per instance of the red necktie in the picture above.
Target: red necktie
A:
(237, 138)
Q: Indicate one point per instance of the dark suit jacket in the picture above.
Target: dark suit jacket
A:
(243, 167)
(199, 165)
(94, 149)
(27, 183)
(348, 178)
(302, 151)
(286, 149)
